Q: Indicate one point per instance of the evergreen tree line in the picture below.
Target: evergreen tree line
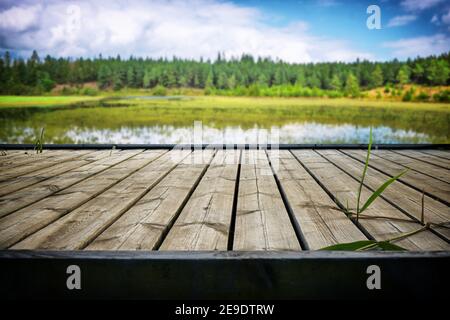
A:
(36, 75)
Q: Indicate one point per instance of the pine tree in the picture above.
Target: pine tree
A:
(32, 69)
(44, 83)
(222, 80)
(183, 81)
(352, 85)
(104, 77)
(131, 77)
(147, 81)
(377, 77)
(262, 80)
(403, 75)
(300, 81)
(210, 80)
(231, 82)
(313, 81)
(417, 72)
(117, 81)
(438, 72)
(336, 83)
(280, 77)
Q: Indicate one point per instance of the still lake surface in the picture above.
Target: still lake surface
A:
(167, 124)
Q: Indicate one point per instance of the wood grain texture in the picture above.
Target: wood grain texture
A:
(414, 164)
(30, 219)
(23, 158)
(344, 188)
(142, 227)
(262, 221)
(434, 187)
(204, 223)
(19, 199)
(205, 200)
(425, 157)
(399, 194)
(6, 156)
(38, 162)
(17, 183)
(445, 154)
(321, 221)
(78, 228)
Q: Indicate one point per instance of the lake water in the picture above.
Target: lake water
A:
(162, 124)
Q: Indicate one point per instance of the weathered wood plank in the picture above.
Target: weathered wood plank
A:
(344, 189)
(399, 194)
(19, 199)
(28, 220)
(17, 183)
(262, 221)
(321, 221)
(413, 164)
(204, 223)
(424, 157)
(142, 227)
(45, 160)
(78, 228)
(21, 158)
(445, 154)
(435, 188)
(8, 155)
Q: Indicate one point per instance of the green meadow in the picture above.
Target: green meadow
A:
(116, 119)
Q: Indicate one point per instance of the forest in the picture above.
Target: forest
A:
(245, 75)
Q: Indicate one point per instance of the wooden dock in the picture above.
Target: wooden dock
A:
(226, 200)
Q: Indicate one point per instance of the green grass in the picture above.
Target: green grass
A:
(218, 112)
(215, 101)
(269, 102)
(42, 101)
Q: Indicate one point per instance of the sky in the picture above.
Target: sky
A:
(290, 30)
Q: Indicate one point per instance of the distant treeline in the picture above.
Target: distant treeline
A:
(36, 75)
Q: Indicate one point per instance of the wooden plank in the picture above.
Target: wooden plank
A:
(7, 155)
(321, 222)
(40, 162)
(79, 227)
(17, 183)
(22, 198)
(433, 187)
(28, 220)
(445, 154)
(143, 226)
(23, 157)
(262, 221)
(344, 189)
(414, 164)
(424, 157)
(399, 194)
(204, 223)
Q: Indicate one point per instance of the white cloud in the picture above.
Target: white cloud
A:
(20, 18)
(435, 20)
(401, 20)
(419, 46)
(418, 5)
(328, 3)
(188, 29)
(446, 17)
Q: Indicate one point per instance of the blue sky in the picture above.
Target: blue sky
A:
(292, 30)
(347, 19)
